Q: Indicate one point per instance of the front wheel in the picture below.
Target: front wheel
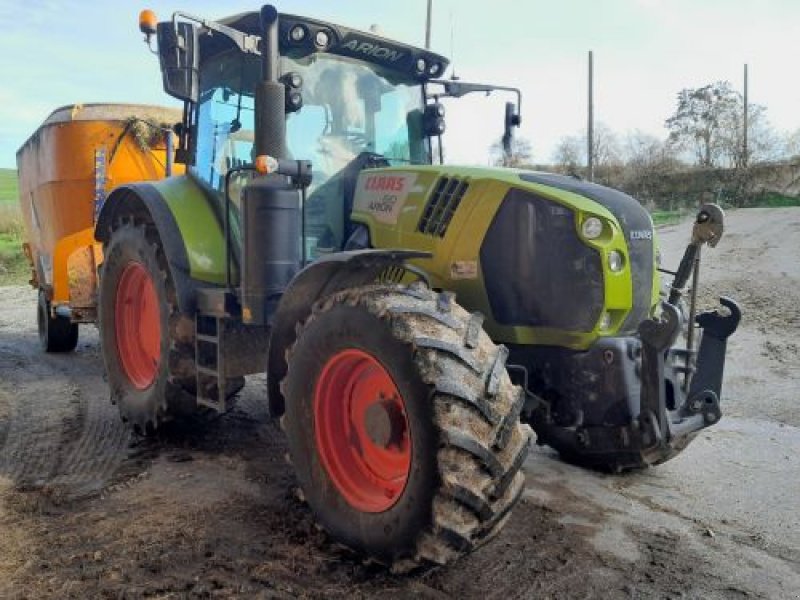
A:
(403, 425)
(134, 327)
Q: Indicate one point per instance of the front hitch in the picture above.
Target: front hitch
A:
(658, 423)
(695, 404)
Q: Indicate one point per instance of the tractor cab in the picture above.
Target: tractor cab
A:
(353, 100)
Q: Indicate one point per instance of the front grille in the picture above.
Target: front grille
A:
(537, 271)
(442, 205)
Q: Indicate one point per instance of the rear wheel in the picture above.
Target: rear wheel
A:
(403, 425)
(56, 333)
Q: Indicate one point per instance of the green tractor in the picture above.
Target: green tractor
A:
(314, 239)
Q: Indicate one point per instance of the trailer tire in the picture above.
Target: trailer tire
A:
(56, 333)
(435, 465)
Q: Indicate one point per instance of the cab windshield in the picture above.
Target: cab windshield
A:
(354, 115)
(349, 108)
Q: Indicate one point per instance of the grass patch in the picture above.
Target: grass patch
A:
(14, 267)
(773, 200)
(667, 217)
(9, 189)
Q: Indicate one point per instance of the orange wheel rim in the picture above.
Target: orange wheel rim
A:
(137, 321)
(361, 430)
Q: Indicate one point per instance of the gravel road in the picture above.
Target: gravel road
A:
(207, 510)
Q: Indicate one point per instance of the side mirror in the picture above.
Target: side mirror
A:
(433, 124)
(512, 120)
(179, 56)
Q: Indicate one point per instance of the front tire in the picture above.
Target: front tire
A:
(403, 425)
(148, 343)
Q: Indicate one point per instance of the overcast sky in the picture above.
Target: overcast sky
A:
(56, 52)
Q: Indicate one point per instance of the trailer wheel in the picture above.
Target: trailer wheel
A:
(403, 425)
(56, 334)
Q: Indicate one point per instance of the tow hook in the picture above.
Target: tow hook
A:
(717, 328)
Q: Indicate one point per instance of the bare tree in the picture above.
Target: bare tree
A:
(791, 144)
(645, 153)
(568, 154)
(606, 147)
(763, 143)
(700, 118)
(521, 153)
(647, 160)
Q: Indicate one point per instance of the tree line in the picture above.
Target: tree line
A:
(705, 132)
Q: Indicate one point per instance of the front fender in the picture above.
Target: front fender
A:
(189, 222)
(143, 201)
(330, 274)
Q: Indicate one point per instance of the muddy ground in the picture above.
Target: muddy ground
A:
(87, 510)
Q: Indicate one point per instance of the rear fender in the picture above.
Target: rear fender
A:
(322, 278)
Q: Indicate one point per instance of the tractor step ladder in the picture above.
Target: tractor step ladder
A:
(210, 362)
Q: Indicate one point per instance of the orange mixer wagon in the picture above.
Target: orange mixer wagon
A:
(66, 167)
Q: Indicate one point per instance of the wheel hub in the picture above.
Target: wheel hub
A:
(362, 431)
(137, 323)
(383, 422)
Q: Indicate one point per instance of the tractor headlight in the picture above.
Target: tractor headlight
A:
(592, 228)
(616, 261)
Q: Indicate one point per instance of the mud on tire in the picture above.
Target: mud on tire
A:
(467, 443)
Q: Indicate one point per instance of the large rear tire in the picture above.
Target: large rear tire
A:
(403, 425)
(56, 334)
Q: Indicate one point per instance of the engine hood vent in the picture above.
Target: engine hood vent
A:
(442, 205)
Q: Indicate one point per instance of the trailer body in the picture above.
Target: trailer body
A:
(66, 168)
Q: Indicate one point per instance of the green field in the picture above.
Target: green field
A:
(8, 186)
(13, 266)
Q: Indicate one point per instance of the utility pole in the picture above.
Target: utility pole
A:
(590, 124)
(428, 25)
(745, 157)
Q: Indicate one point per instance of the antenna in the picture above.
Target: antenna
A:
(428, 25)
(453, 44)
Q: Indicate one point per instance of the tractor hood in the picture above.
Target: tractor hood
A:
(524, 236)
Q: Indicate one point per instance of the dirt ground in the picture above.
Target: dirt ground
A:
(87, 510)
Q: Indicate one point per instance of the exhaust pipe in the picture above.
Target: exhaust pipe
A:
(271, 219)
